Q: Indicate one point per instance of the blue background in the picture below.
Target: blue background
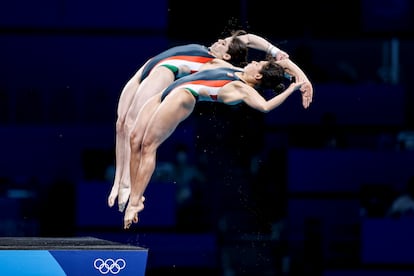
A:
(288, 193)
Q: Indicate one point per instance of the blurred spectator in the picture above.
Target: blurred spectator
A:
(189, 180)
(403, 205)
(190, 191)
(405, 140)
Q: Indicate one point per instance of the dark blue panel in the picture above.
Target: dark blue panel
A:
(80, 62)
(128, 13)
(346, 170)
(85, 14)
(387, 241)
(50, 150)
(92, 209)
(387, 15)
(31, 13)
(364, 104)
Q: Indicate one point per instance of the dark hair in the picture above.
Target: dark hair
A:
(238, 50)
(273, 76)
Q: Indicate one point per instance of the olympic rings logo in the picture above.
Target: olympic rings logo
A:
(109, 265)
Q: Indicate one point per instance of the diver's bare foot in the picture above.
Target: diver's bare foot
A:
(113, 195)
(131, 213)
(123, 196)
